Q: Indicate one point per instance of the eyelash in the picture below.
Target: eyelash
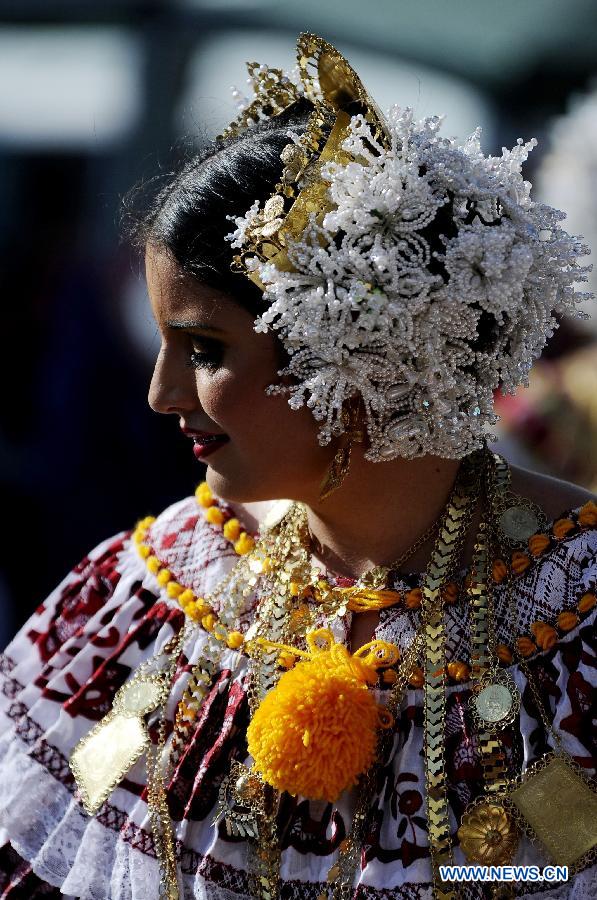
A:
(205, 359)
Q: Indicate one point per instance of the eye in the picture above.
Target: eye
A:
(205, 353)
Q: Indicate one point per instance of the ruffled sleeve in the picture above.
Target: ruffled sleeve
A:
(60, 674)
(58, 678)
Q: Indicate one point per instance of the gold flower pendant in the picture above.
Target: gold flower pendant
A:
(488, 834)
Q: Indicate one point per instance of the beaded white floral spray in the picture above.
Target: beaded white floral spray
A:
(433, 281)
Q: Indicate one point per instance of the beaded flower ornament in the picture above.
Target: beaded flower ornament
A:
(399, 265)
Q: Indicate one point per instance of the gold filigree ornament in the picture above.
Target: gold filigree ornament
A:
(241, 802)
(102, 758)
(274, 93)
(488, 833)
(553, 801)
(517, 519)
(556, 804)
(336, 93)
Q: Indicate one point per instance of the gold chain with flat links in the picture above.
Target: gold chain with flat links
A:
(157, 804)
(446, 552)
(205, 669)
(484, 659)
(341, 874)
(286, 547)
(274, 616)
(157, 765)
(443, 561)
(500, 485)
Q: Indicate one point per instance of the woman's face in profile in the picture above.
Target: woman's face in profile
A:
(211, 372)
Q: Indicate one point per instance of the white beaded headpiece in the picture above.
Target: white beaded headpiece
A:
(400, 266)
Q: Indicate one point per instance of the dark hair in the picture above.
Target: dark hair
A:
(188, 215)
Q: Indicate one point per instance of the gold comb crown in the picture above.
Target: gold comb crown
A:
(336, 92)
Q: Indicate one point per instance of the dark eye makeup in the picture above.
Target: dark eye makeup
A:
(205, 353)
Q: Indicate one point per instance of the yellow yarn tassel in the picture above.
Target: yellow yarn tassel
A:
(315, 733)
(360, 599)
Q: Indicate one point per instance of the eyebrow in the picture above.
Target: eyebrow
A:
(202, 326)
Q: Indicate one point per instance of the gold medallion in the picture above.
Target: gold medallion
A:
(496, 702)
(241, 802)
(519, 523)
(488, 834)
(102, 758)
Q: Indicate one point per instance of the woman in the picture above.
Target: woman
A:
(252, 697)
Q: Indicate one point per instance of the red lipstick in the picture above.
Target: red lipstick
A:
(205, 442)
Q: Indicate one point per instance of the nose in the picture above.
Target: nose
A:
(173, 388)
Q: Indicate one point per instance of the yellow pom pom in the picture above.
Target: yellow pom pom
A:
(204, 495)
(174, 589)
(203, 608)
(186, 597)
(244, 544)
(193, 611)
(153, 564)
(235, 640)
(164, 576)
(214, 515)
(567, 620)
(315, 732)
(209, 622)
(586, 602)
(144, 550)
(232, 530)
(562, 527)
(588, 513)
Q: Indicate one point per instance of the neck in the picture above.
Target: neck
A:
(379, 512)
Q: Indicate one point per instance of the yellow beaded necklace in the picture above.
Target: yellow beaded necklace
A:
(200, 611)
(314, 661)
(195, 607)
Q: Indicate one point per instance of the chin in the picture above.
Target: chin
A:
(236, 490)
(246, 490)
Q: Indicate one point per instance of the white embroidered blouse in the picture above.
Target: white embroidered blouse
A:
(59, 676)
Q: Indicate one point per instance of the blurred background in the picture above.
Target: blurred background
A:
(96, 95)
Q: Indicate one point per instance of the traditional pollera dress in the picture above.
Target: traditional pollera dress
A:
(60, 674)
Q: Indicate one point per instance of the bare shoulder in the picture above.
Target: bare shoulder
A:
(553, 495)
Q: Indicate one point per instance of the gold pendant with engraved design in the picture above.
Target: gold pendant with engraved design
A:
(496, 702)
(241, 802)
(559, 808)
(102, 758)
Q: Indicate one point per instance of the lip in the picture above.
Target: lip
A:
(202, 450)
(205, 442)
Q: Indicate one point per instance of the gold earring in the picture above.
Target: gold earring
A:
(353, 434)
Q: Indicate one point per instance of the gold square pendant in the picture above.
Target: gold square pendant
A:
(561, 808)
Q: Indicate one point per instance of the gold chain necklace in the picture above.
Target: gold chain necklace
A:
(553, 802)
(251, 804)
(445, 557)
(492, 711)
